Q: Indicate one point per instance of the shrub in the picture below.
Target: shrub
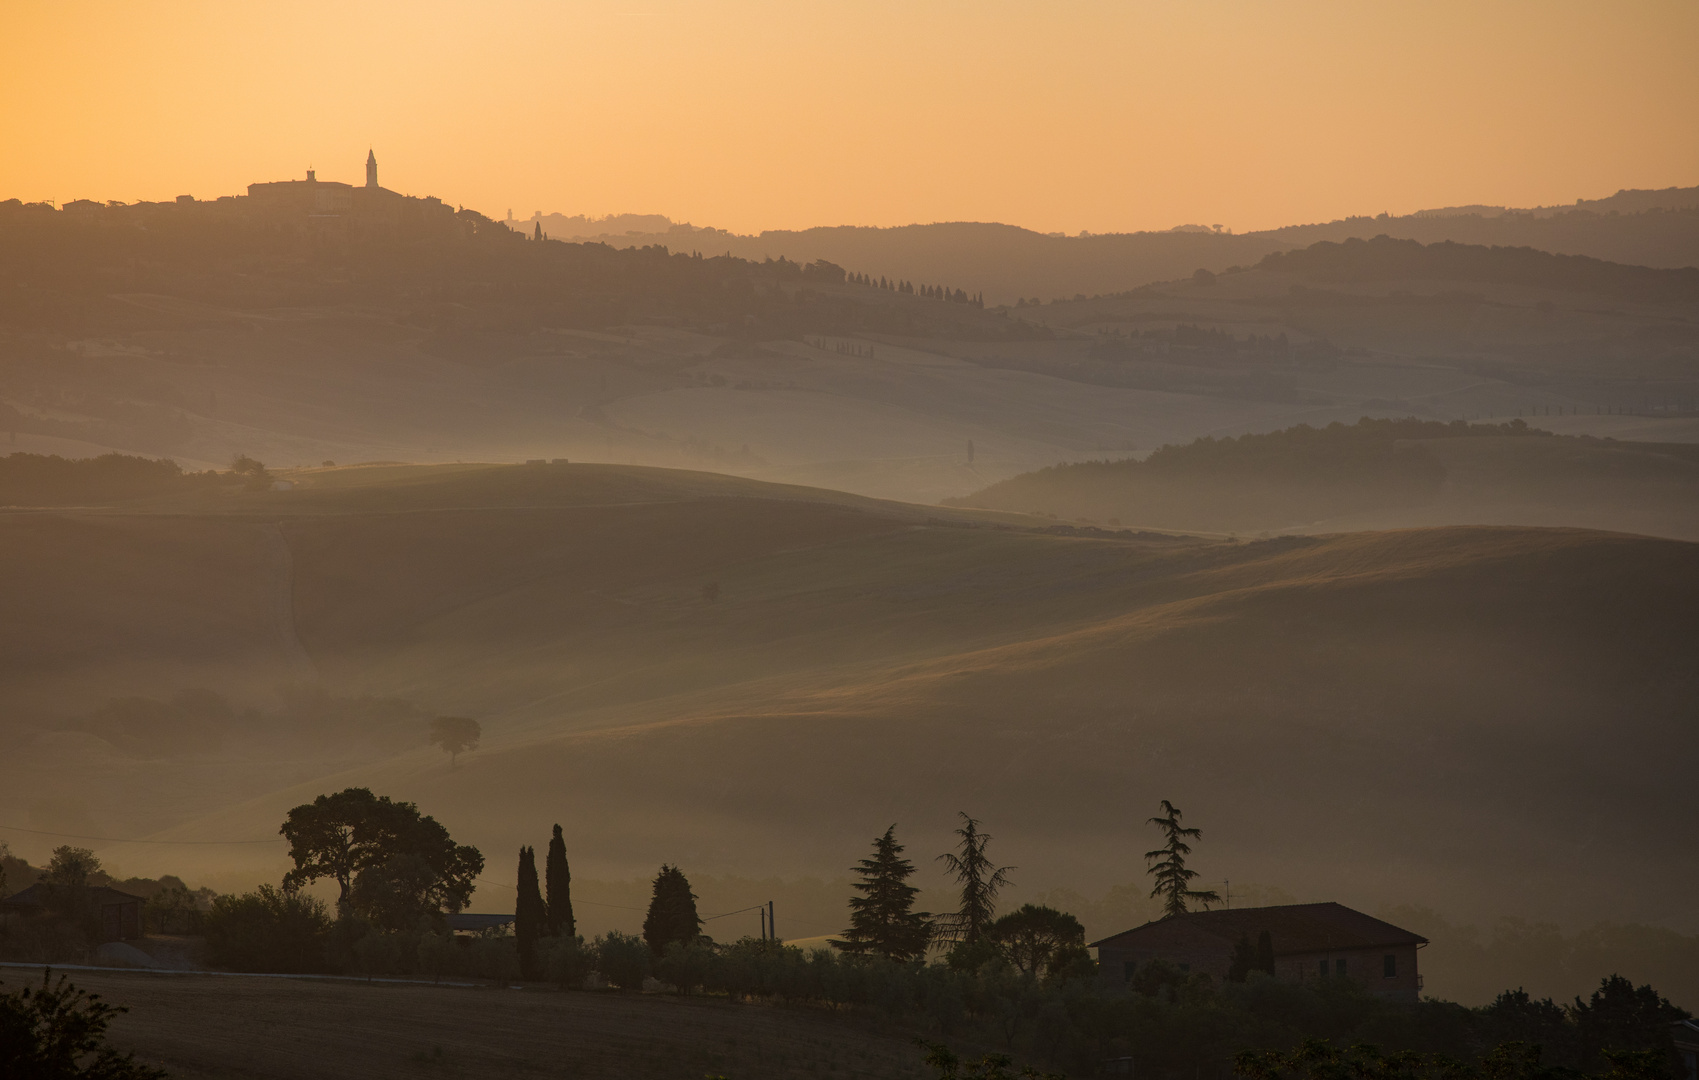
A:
(566, 961)
(623, 960)
(268, 930)
(60, 1031)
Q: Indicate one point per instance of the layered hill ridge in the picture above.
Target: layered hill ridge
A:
(1648, 228)
(1339, 712)
(1374, 474)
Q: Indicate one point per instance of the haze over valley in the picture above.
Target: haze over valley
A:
(964, 545)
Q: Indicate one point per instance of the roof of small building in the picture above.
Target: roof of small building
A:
(36, 895)
(1294, 928)
(467, 920)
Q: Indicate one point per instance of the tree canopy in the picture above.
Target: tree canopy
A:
(390, 862)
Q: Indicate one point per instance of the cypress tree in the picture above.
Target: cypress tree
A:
(1244, 960)
(528, 914)
(558, 879)
(672, 911)
(1265, 953)
(882, 919)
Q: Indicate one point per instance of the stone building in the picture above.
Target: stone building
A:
(1311, 941)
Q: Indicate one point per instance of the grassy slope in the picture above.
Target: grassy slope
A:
(295, 1030)
(1632, 487)
(1485, 720)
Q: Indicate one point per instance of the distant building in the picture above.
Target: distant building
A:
(467, 922)
(119, 914)
(1311, 941)
(1687, 1049)
(328, 198)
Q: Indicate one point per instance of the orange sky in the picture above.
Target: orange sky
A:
(1105, 115)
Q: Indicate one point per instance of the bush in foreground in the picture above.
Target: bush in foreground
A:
(60, 1031)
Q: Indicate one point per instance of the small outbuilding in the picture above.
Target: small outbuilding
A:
(117, 914)
(1310, 941)
(468, 922)
(1686, 1038)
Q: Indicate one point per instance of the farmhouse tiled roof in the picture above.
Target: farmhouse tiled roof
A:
(1295, 928)
(36, 895)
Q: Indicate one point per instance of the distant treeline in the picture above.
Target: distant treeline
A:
(1367, 451)
(50, 480)
(1387, 259)
(448, 271)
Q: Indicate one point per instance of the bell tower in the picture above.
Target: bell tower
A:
(371, 169)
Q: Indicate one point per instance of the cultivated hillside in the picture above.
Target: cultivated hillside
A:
(714, 673)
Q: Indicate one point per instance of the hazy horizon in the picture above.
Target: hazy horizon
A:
(755, 114)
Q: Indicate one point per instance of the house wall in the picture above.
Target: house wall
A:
(1207, 954)
(1366, 967)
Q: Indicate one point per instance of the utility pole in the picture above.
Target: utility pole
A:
(763, 913)
(770, 930)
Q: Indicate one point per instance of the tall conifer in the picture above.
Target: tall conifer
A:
(882, 919)
(529, 914)
(558, 879)
(980, 880)
(672, 911)
(1173, 879)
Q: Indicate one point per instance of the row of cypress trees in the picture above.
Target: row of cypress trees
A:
(672, 912)
(535, 917)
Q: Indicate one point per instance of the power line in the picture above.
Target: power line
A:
(117, 840)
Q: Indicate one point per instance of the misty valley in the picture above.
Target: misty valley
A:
(440, 644)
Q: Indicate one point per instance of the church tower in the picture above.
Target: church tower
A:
(371, 169)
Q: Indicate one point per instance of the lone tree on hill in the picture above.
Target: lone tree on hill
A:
(558, 880)
(529, 915)
(1173, 880)
(456, 735)
(672, 912)
(355, 834)
(882, 920)
(980, 881)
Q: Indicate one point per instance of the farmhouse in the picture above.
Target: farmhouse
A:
(119, 913)
(1311, 941)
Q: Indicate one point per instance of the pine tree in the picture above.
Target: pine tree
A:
(528, 914)
(672, 911)
(1173, 880)
(980, 882)
(557, 878)
(883, 919)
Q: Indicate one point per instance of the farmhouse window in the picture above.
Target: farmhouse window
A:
(1127, 969)
(1339, 966)
(1389, 966)
(1323, 971)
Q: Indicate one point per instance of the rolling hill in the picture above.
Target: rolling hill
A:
(1486, 720)
(1375, 474)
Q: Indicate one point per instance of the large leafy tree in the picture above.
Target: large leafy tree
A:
(529, 914)
(1037, 939)
(980, 880)
(672, 912)
(408, 860)
(1168, 864)
(883, 919)
(557, 878)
